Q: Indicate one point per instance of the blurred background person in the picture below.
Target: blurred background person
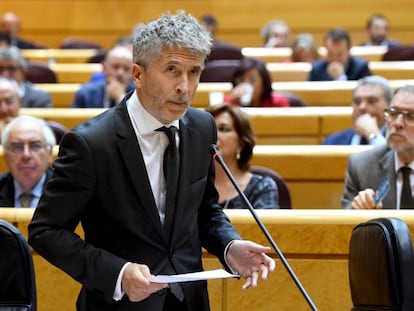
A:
(338, 64)
(117, 81)
(5, 39)
(276, 33)
(236, 141)
(366, 170)
(371, 96)
(10, 23)
(304, 48)
(13, 66)
(9, 101)
(28, 152)
(377, 32)
(209, 22)
(252, 87)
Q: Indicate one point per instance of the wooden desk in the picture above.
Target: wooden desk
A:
(59, 55)
(314, 242)
(270, 55)
(75, 73)
(299, 71)
(314, 174)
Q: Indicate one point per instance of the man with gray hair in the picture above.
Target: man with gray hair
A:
(370, 97)
(140, 180)
(382, 177)
(276, 34)
(13, 66)
(28, 152)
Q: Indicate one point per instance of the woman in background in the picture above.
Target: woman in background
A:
(252, 87)
(236, 140)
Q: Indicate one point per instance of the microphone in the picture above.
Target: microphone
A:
(217, 156)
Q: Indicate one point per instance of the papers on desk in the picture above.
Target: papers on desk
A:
(196, 276)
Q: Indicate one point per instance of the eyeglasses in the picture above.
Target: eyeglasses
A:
(392, 114)
(17, 148)
(11, 69)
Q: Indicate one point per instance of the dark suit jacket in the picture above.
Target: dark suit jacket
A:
(101, 181)
(92, 95)
(357, 69)
(7, 190)
(24, 44)
(345, 137)
(34, 97)
(366, 170)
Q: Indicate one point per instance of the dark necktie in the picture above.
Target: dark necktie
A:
(171, 167)
(363, 141)
(406, 193)
(25, 199)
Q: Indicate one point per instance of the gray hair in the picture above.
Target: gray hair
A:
(377, 81)
(267, 29)
(409, 88)
(6, 82)
(171, 31)
(48, 134)
(13, 53)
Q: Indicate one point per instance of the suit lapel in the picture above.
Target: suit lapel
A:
(386, 165)
(132, 157)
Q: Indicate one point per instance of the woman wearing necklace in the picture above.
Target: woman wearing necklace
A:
(236, 140)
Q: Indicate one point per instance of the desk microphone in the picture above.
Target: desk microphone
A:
(217, 156)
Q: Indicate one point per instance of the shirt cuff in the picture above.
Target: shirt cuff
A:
(119, 293)
(226, 250)
(378, 140)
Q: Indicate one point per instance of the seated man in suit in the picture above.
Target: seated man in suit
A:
(276, 34)
(9, 101)
(10, 23)
(338, 64)
(377, 31)
(13, 66)
(28, 143)
(394, 160)
(369, 99)
(117, 81)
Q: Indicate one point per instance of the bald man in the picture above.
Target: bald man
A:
(10, 23)
(117, 81)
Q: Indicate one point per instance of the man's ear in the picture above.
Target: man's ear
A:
(137, 72)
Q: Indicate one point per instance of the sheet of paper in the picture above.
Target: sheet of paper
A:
(196, 276)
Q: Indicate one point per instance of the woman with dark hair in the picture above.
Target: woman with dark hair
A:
(252, 86)
(236, 140)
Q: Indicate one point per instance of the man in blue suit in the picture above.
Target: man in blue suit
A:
(117, 81)
(370, 97)
(338, 64)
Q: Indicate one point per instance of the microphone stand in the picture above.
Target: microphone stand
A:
(217, 156)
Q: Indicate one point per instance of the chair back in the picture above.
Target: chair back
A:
(58, 129)
(283, 190)
(220, 70)
(381, 266)
(17, 276)
(224, 50)
(37, 72)
(74, 43)
(399, 53)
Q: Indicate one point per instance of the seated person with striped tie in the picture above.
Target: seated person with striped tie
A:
(395, 160)
(369, 99)
(27, 144)
(109, 91)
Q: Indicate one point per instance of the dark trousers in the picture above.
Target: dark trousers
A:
(173, 304)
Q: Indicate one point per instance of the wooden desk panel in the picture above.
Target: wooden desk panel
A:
(314, 242)
(59, 55)
(75, 73)
(271, 55)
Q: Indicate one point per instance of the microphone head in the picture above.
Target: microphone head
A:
(214, 149)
